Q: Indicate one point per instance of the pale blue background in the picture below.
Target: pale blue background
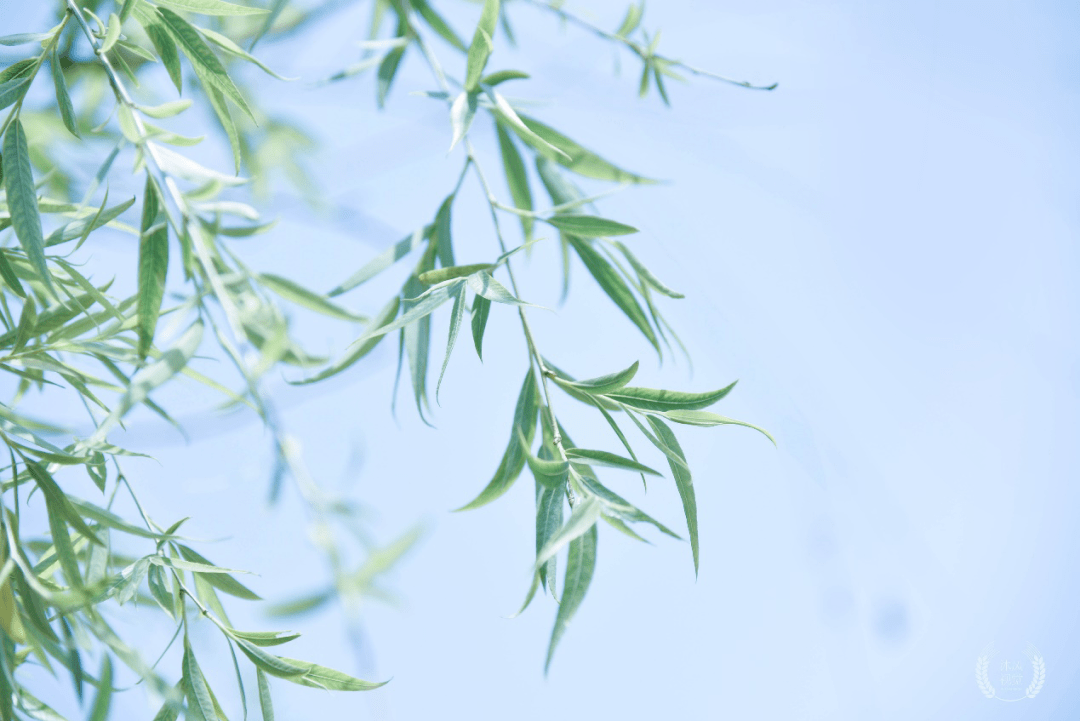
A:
(883, 251)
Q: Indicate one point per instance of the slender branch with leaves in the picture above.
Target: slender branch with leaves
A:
(66, 337)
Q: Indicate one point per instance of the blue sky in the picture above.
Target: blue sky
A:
(883, 251)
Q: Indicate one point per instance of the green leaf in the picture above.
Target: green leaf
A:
(271, 664)
(202, 58)
(384, 260)
(614, 286)
(706, 418)
(440, 275)
(112, 34)
(549, 518)
(588, 226)
(8, 274)
(63, 98)
(604, 384)
(481, 46)
(612, 460)
(573, 156)
(480, 310)
(199, 699)
(683, 481)
(127, 8)
(646, 275)
(387, 70)
(462, 112)
(632, 20)
(416, 336)
(444, 243)
(331, 680)
(508, 115)
(485, 285)
(513, 460)
(155, 579)
(551, 473)
(292, 291)
(582, 518)
(226, 44)
(163, 42)
(265, 704)
(456, 315)
(65, 552)
(22, 199)
(416, 308)
(580, 565)
(150, 377)
(221, 112)
(58, 500)
(12, 90)
(100, 710)
(211, 7)
(165, 110)
(501, 76)
(385, 316)
(153, 267)
(619, 506)
(23, 39)
(221, 581)
(649, 399)
(265, 638)
(438, 24)
(516, 178)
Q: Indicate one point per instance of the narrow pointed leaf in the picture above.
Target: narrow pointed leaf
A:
(63, 98)
(706, 418)
(614, 286)
(100, 710)
(646, 275)
(456, 315)
(589, 226)
(296, 293)
(481, 309)
(386, 315)
(604, 384)
(485, 285)
(434, 277)
(573, 156)
(650, 399)
(580, 565)
(481, 46)
(582, 518)
(22, 199)
(212, 7)
(611, 460)
(513, 460)
(516, 178)
(153, 267)
(384, 260)
(462, 112)
(221, 581)
(266, 705)
(202, 58)
(683, 481)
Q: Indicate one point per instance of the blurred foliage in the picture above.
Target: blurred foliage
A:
(112, 157)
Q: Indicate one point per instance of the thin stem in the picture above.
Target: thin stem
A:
(639, 50)
(181, 217)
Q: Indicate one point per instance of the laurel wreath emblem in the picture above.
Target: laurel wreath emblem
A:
(1038, 674)
(981, 676)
